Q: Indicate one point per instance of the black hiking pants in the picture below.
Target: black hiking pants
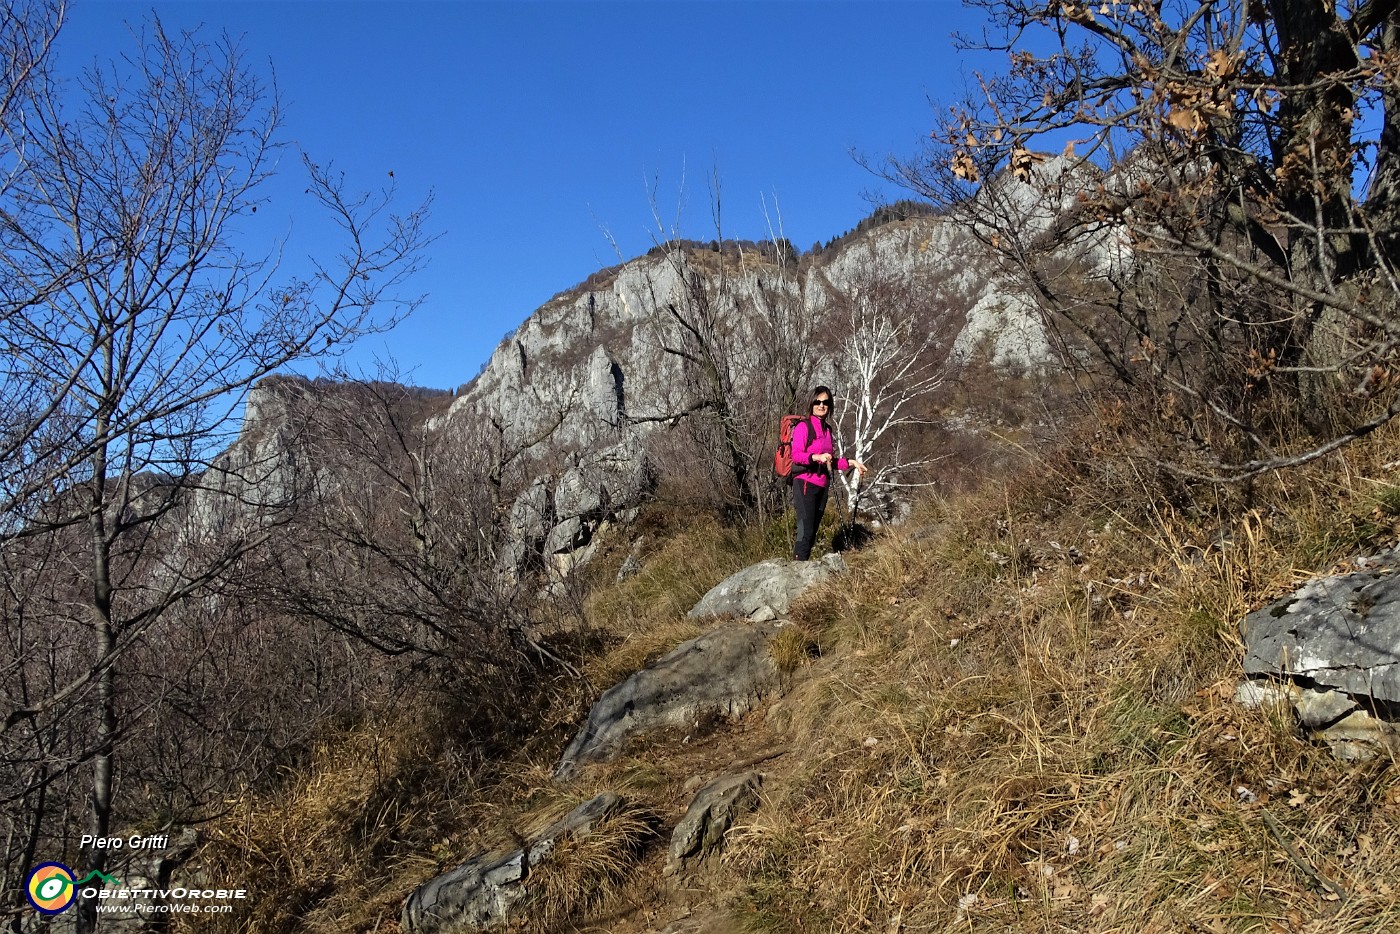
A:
(810, 502)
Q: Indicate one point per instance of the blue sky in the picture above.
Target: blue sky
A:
(538, 124)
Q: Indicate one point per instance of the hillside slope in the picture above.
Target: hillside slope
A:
(1014, 715)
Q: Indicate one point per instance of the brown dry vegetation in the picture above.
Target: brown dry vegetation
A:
(1003, 737)
(1013, 715)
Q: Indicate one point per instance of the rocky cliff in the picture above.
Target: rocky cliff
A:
(586, 378)
(583, 383)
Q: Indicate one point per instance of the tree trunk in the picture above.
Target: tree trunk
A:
(1382, 206)
(1313, 151)
(104, 643)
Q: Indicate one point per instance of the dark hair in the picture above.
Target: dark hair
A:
(817, 392)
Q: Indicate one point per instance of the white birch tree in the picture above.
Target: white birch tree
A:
(890, 361)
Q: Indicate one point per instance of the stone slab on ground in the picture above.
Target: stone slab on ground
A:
(710, 815)
(484, 890)
(1340, 632)
(725, 672)
(766, 590)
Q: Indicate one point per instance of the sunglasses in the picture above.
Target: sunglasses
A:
(825, 402)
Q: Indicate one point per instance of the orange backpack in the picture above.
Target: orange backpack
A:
(782, 458)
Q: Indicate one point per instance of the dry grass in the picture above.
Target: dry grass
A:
(1022, 722)
(791, 648)
(588, 874)
(1013, 716)
(378, 808)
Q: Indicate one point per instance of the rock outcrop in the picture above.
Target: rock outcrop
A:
(766, 590)
(1340, 632)
(1332, 650)
(486, 889)
(710, 815)
(725, 672)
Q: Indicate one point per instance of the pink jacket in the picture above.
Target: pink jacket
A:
(810, 437)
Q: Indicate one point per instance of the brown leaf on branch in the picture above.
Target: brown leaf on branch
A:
(964, 167)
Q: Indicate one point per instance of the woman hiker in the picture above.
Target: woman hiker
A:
(812, 454)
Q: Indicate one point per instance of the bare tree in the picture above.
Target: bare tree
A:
(890, 361)
(30, 29)
(1247, 155)
(133, 324)
(394, 542)
(730, 315)
(416, 536)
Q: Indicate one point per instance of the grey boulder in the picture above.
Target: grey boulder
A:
(766, 590)
(1340, 633)
(726, 672)
(481, 892)
(710, 815)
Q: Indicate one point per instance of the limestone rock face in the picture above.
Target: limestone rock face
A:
(575, 497)
(531, 518)
(766, 590)
(605, 397)
(710, 815)
(1340, 632)
(264, 469)
(483, 891)
(724, 672)
(583, 384)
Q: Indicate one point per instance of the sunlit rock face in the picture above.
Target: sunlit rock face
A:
(592, 362)
(587, 379)
(257, 481)
(580, 389)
